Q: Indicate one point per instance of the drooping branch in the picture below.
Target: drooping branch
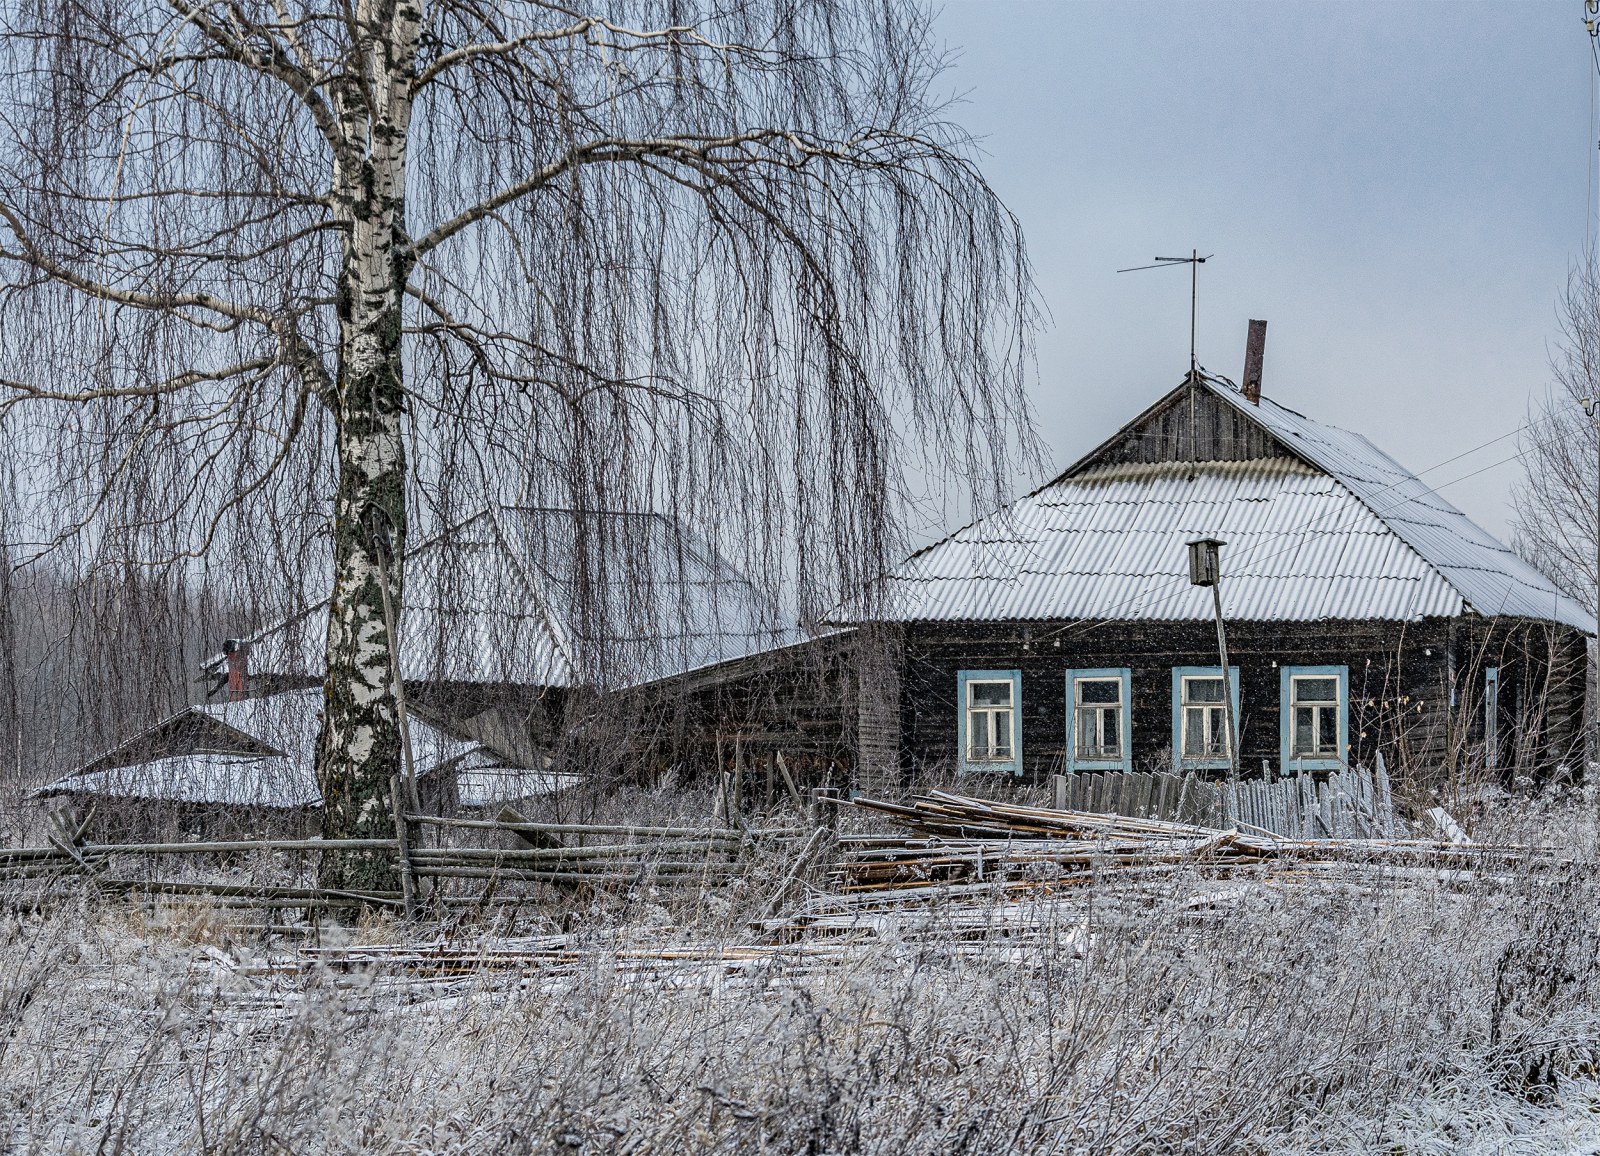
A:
(727, 266)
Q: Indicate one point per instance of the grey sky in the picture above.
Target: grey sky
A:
(1399, 189)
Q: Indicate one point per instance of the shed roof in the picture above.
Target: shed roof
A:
(267, 781)
(1337, 530)
(269, 760)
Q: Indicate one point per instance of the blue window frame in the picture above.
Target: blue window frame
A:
(1313, 718)
(1491, 717)
(1100, 719)
(1199, 721)
(989, 721)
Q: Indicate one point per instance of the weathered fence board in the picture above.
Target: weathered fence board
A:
(1352, 804)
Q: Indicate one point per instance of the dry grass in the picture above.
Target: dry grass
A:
(1364, 1014)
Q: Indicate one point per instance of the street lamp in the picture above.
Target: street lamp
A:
(1205, 569)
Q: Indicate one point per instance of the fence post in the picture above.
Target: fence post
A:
(402, 842)
(1058, 784)
(824, 807)
(1385, 799)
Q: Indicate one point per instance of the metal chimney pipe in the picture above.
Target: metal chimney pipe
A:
(1255, 347)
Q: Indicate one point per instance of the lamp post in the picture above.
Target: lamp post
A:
(1205, 569)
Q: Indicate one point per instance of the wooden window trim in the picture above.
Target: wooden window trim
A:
(1287, 763)
(1125, 763)
(1179, 673)
(1013, 765)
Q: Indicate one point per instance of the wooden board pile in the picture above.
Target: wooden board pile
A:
(964, 841)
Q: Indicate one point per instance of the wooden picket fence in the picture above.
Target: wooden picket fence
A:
(1351, 804)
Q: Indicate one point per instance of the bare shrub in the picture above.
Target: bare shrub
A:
(1197, 1015)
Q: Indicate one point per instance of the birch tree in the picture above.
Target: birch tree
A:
(271, 260)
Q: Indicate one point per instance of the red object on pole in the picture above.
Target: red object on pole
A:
(238, 669)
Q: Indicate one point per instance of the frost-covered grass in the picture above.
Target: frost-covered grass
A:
(1264, 1014)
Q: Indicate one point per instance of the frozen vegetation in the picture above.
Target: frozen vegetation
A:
(1369, 1011)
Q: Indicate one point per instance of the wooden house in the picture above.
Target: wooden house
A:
(1363, 612)
(593, 642)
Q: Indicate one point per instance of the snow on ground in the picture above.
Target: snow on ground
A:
(1268, 1013)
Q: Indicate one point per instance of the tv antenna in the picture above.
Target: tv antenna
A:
(1194, 260)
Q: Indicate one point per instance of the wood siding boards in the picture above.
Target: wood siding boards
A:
(880, 657)
(1190, 425)
(1400, 688)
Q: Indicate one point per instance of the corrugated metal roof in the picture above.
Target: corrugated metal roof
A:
(230, 780)
(1488, 574)
(291, 722)
(548, 597)
(482, 780)
(1111, 543)
(1341, 531)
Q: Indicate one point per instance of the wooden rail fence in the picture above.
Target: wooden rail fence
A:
(563, 854)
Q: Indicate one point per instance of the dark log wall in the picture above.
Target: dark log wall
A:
(1543, 675)
(1193, 426)
(1402, 676)
(803, 701)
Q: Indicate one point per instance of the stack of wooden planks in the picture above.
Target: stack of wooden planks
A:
(962, 840)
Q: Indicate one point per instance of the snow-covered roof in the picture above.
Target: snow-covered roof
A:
(546, 597)
(274, 764)
(1338, 530)
(1489, 576)
(483, 780)
(232, 780)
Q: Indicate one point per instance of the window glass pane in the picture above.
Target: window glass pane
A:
(1219, 731)
(1316, 690)
(1328, 731)
(1002, 734)
(1099, 732)
(1084, 730)
(1104, 690)
(1302, 731)
(1111, 733)
(1202, 690)
(1194, 741)
(989, 693)
(978, 732)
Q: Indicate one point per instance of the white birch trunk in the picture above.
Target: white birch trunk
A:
(359, 752)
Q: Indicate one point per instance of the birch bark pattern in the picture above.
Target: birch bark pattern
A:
(359, 749)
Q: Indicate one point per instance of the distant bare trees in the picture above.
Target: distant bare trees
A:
(273, 265)
(1556, 511)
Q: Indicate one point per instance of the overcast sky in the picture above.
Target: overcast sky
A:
(1398, 188)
